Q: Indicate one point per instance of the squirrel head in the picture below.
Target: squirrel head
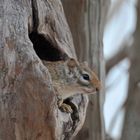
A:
(87, 80)
(88, 77)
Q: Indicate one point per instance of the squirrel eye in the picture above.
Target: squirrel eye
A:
(85, 77)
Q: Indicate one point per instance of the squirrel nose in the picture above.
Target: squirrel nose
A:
(97, 89)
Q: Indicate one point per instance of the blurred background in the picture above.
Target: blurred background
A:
(118, 44)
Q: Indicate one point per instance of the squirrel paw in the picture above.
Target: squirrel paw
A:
(66, 108)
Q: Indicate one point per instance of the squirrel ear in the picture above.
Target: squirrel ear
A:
(72, 62)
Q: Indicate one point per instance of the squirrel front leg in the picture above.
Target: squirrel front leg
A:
(64, 107)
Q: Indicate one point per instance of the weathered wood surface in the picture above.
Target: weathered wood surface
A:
(28, 105)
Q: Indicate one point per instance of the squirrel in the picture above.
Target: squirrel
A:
(71, 78)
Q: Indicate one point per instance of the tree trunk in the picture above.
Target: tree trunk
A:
(86, 20)
(131, 129)
(31, 31)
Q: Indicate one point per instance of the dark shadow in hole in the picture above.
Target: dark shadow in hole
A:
(44, 49)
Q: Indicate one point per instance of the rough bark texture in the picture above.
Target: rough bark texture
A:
(131, 127)
(86, 20)
(32, 30)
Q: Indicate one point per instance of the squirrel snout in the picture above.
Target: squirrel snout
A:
(97, 89)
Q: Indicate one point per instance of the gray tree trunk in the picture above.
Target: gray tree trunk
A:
(131, 129)
(87, 20)
(31, 31)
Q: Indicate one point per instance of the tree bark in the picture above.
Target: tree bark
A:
(31, 31)
(87, 20)
(131, 126)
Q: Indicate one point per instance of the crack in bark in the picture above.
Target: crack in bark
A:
(35, 15)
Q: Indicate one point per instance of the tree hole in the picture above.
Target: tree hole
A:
(44, 49)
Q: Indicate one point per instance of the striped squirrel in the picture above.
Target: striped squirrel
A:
(70, 78)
